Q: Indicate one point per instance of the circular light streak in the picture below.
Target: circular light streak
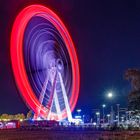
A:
(17, 57)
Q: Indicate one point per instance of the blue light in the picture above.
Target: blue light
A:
(78, 117)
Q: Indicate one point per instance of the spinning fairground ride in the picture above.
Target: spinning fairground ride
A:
(45, 63)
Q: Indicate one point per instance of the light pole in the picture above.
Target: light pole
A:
(103, 113)
(110, 95)
(98, 117)
(108, 117)
(118, 113)
(79, 111)
(112, 115)
(84, 118)
(129, 115)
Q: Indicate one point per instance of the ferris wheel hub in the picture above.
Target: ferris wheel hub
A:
(59, 64)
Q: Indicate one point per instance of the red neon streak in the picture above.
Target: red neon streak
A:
(18, 61)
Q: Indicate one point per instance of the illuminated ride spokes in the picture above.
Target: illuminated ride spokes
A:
(45, 63)
(55, 77)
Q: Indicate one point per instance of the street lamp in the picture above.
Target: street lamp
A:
(118, 113)
(103, 112)
(110, 96)
(78, 111)
(98, 117)
(108, 116)
(97, 113)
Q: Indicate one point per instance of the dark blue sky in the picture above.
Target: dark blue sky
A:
(107, 38)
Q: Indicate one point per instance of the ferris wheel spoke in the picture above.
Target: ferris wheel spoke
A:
(55, 99)
(42, 94)
(68, 111)
(57, 105)
(41, 97)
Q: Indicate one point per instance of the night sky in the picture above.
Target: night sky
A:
(107, 38)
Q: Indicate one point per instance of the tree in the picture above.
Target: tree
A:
(22, 116)
(19, 116)
(4, 116)
(11, 117)
(29, 115)
(133, 75)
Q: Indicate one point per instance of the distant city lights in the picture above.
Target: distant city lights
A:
(79, 110)
(103, 105)
(97, 113)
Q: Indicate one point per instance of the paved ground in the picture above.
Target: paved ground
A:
(66, 135)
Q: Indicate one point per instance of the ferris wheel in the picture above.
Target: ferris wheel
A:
(45, 63)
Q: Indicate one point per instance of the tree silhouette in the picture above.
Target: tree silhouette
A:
(30, 114)
(133, 75)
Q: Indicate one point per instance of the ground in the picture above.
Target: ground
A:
(67, 135)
